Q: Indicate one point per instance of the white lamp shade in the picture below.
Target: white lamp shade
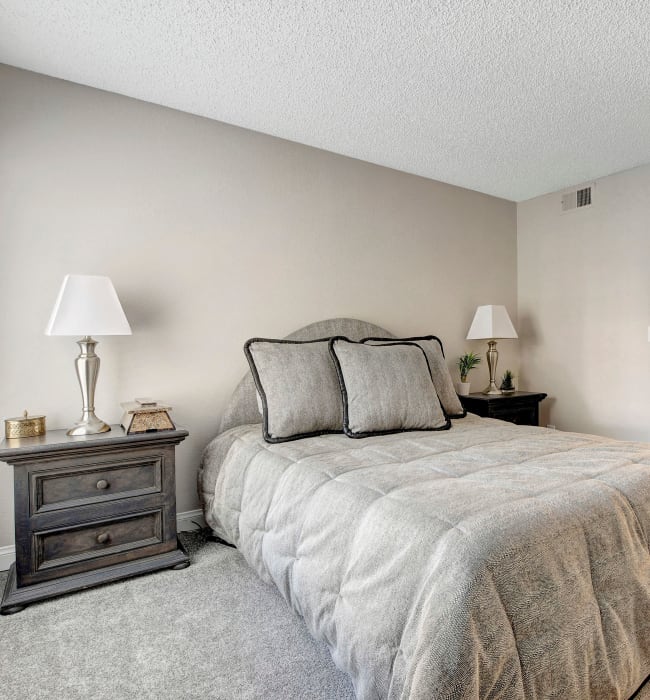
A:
(87, 305)
(491, 322)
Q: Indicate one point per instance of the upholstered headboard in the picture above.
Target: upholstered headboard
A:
(242, 408)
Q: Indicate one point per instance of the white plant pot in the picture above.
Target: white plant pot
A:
(462, 388)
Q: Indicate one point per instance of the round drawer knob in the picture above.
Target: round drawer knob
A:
(102, 484)
(103, 538)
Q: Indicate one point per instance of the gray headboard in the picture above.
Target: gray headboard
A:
(242, 407)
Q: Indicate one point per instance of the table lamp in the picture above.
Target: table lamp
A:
(490, 323)
(87, 305)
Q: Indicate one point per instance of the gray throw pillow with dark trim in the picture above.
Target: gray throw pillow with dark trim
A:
(387, 388)
(440, 374)
(298, 386)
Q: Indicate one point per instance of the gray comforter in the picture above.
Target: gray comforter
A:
(488, 561)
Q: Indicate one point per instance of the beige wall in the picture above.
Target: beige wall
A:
(584, 313)
(213, 234)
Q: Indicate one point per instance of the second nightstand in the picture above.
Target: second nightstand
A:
(522, 407)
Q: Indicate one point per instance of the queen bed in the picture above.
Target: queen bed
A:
(486, 560)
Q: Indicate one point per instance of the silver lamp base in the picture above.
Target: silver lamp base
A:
(89, 426)
(87, 365)
(492, 389)
(492, 358)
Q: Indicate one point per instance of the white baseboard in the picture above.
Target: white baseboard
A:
(7, 556)
(189, 520)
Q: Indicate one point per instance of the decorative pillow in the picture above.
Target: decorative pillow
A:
(387, 388)
(298, 385)
(442, 380)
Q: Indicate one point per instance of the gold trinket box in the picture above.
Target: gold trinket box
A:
(25, 426)
(146, 416)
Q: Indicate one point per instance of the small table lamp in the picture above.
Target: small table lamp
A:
(491, 322)
(87, 305)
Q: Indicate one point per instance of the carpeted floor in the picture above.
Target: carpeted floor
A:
(212, 631)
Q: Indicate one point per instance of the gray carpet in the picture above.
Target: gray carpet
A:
(213, 630)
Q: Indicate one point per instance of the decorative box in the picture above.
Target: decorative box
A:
(24, 426)
(146, 416)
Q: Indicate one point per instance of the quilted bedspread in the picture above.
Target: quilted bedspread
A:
(488, 561)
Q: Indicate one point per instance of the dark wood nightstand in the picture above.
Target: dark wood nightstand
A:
(522, 407)
(89, 510)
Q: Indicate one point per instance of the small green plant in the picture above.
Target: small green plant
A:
(466, 363)
(507, 381)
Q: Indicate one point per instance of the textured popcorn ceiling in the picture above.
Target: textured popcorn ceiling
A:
(510, 98)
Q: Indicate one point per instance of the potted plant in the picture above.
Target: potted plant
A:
(507, 382)
(466, 363)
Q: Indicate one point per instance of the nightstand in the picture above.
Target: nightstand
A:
(522, 407)
(89, 510)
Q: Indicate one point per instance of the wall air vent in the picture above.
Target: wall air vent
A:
(577, 199)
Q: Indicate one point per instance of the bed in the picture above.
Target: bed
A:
(484, 561)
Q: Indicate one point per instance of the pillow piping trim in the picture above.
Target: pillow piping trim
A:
(422, 337)
(344, 394)
(258, 385)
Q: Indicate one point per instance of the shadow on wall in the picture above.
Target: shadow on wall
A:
(527, 329)
(558, 374)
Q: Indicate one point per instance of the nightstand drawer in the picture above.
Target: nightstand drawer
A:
(69, 487)
(523, 415)
(99, 539)
(521, 408)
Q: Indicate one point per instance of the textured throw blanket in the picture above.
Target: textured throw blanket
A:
(489, 561)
